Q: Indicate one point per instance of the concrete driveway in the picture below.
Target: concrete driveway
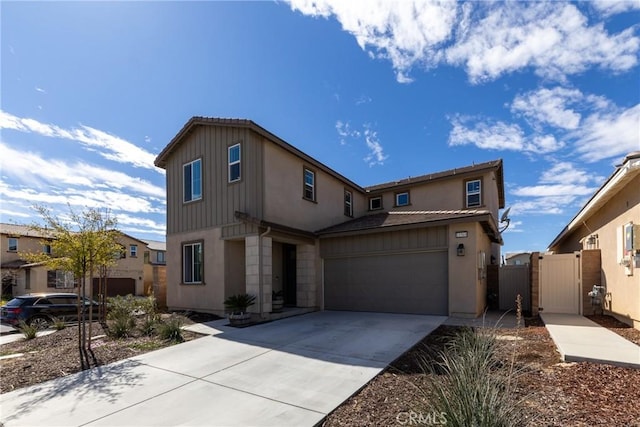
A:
(291, 372)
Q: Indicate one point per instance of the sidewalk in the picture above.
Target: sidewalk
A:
(580, 340)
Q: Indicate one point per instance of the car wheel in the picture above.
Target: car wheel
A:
(40, 322)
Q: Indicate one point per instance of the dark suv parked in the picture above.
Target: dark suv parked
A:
(40, 310)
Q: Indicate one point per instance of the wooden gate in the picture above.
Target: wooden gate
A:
(560, 283)
(514, 280)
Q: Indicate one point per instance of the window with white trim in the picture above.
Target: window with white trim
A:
(375, 203)
(192, 267)
(348, 203)
(46, 249)
(234, 163)
(474, 193)
(133, 251)
(192, 177)
(402, 199)
(13, 244)
(309, 185)
(161, 257)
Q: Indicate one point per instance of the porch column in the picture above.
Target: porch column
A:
(306, 275)
(258, 271)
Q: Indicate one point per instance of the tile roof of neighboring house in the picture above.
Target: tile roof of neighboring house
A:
(623, 174)
(407, 218)
(161, 159)
(156, 245)
(22, 230)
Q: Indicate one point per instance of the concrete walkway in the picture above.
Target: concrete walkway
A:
(580, 340)
(291, 372)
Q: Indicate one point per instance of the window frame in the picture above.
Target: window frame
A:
(371, 199)
(46, 248)
(396, 195)
(313, 186)
(164, 257)
(133, 251)
(200, 244)
(473, 193)
(193, 197)
(348, 204)
(231, 163)
(15, 245)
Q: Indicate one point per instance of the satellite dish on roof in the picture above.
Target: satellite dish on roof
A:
(505, 218)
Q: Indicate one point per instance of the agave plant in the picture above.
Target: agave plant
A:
(239, 303)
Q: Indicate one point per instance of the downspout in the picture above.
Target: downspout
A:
(260, 280)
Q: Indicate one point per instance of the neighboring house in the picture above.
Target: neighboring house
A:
(610, 222)
(248, 212)
(519, 258)
(20, 277)
(155, 271)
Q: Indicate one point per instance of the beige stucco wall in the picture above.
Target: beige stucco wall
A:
(467, 291)
(283, 201)
(208, 297)
(25, 244)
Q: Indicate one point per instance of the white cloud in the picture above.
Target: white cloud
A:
(499, 136)
(549, 106)
(612, 7)
(109, 146)
(34, 170)
(559, 187)
(39, 89)
(608, 134)
(363, 99)
(488, 39)
(553, 38)
(345, 131)
(405, 32)
(376, 154)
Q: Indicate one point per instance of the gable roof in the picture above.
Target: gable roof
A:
(395, 219)
(194, 122)
(623, 174)
(19, 230)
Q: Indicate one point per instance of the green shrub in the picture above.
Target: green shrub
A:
(29, 332)
(476, 388)
(121, 316)
(149, 326)
(59, 324)
(171, 329)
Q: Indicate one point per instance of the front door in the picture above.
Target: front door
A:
(289, 272)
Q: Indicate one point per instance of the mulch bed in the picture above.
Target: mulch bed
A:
(620, 328)
(555, 393)
(57, 355)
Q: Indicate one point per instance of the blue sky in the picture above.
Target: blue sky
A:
(378, 90)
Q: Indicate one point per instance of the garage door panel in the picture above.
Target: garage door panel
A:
(397, 283)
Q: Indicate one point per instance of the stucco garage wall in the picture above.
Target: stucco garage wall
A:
(401, 271)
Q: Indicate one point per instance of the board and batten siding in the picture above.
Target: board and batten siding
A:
(220, 199)
(420, 239)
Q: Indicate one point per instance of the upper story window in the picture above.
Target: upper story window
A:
(192, 177)
(402, 199)
(133, 251)
(234, 163)
(13, 244)
(474, 193)
(160, 257)
(375, 203)
(46, 249)
(309, 185)
(192, 267)
(348, 203)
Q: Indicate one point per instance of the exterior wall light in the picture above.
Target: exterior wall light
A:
(460, 249)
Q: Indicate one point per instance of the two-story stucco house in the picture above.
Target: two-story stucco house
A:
(248, 212)
(21, 277)
(610, 222)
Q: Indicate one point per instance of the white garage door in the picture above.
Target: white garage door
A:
(397, 283)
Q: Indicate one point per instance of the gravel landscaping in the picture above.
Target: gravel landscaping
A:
(553, 393)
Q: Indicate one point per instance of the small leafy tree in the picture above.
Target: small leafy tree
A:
(82, 243)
